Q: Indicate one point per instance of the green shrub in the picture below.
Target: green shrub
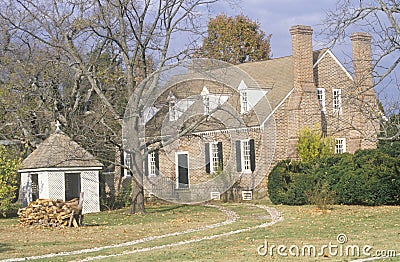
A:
(289, 181)
(8, 180)
(369, 177)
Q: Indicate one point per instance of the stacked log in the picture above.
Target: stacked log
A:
(52, 213)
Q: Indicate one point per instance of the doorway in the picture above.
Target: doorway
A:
(182, 169)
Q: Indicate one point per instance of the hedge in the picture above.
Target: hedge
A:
(369, 177)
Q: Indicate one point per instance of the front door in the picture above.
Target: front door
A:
(182, 170)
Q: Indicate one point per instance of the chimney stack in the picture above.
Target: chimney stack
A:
(362, 62)
(302, 57)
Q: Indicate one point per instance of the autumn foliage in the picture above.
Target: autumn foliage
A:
(235, 40)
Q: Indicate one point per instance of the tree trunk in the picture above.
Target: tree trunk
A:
(137, 205)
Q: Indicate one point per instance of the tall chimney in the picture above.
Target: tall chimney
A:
(362, 62)
(302, 56)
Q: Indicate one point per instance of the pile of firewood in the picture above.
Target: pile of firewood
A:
(52, 213)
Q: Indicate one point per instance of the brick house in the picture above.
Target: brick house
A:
(247, 127)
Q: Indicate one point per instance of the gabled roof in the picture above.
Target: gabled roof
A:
(59, 151)
(274, 76)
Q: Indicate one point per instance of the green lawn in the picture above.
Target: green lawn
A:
(378, 227)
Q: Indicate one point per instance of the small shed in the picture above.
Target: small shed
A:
(59, 168)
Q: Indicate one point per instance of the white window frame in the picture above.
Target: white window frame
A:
(244, 102)
(151, 161)
(206, 103)
(177, 168)
(214, 159)
(172, 111)
(127, 162)
(340, 145)
(321, 98)
(337, 101)
(245, 155)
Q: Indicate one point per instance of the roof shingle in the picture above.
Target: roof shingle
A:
(59, 150)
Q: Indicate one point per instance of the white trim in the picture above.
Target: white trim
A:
(244, 101)
(215, 196)
(328, 51)
(247, 195)
(211, 144)
(323, 96)
(338, 110)
(149, 163)
(177, 169)
(225, 131)
(61, 169)
(343, 144)
(276, 108)
(245, 171)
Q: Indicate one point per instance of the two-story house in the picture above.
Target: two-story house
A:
(246, 118)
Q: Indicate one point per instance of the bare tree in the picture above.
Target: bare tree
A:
(382, 19)
(78, 33)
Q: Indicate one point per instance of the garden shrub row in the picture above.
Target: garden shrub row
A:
(369, 177)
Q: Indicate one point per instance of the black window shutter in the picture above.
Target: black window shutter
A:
(220, 156)
(157, 162)
(207, 154)
(130, 164)
(146, 164)
(122, 161)
(252, 156)
(238, 157)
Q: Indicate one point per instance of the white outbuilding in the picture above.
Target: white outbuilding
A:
(59, 168)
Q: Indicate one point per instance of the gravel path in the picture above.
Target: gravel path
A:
(275, 216)
(231, 217)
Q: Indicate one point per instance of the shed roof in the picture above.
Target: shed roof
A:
(60, 151)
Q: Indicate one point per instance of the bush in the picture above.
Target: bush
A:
(289, 181)
(8, 180)
(369, 177)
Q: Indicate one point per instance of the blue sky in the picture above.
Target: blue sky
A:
(277, 16)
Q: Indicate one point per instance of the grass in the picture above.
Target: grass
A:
(378, 227)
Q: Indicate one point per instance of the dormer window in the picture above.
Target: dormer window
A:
(173, 114)
(244, 102)
(244, 105)
(206, 100)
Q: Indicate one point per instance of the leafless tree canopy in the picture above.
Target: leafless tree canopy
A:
(79, 61)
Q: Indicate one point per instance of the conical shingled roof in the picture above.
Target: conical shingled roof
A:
(59, 151)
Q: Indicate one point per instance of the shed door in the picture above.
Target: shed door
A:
(72, 185)
(35, 186)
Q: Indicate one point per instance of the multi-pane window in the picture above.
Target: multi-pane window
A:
(128, 164)
(214, 157)
(321, 98)
(340, 146)
(172, 111)
(246, 155)
(337, 101)
(152, 163)
(206, 102)
(244, 105)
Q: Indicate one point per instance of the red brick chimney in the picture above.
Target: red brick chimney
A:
(302, 57)
(362, 62)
